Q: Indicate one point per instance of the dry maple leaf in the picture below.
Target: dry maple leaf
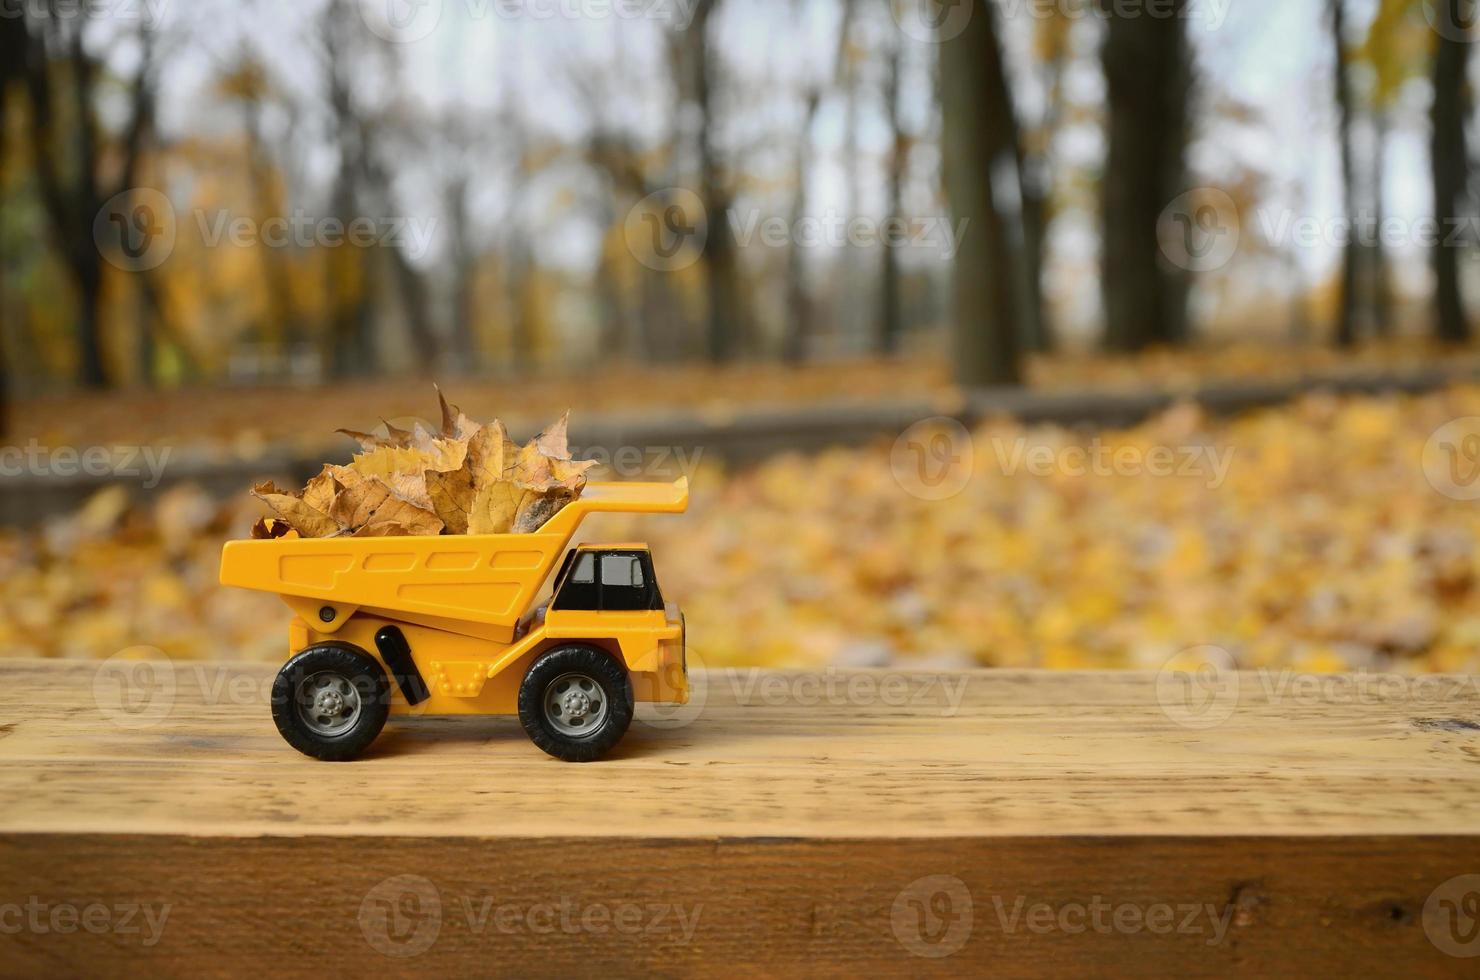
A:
(363, 501)
(464, 478)
(270, 527)
(291, 507)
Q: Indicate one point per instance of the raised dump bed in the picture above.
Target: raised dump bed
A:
(486, 579)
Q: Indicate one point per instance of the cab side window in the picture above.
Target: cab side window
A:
(580, 590)
(622, 583)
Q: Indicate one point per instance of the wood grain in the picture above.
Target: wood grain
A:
(827, 823)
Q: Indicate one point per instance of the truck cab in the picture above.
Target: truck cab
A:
(606, 578)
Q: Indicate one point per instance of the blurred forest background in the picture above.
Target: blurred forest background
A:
(233, 226)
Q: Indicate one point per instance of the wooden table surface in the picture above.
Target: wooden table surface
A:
(834, 822)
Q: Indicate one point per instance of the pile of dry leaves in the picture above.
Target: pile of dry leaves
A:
(469, 478)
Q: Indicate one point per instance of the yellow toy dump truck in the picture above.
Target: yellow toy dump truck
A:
(443, 626)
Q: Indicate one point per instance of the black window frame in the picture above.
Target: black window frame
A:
(653, 598)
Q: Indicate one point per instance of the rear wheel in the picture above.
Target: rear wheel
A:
(576, 703)
(331, 701)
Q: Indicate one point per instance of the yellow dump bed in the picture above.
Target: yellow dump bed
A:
(489, 579)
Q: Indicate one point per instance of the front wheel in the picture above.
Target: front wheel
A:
(331, 701)
(576, 703)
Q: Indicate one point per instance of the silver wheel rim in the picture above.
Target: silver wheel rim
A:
(575, 705)
(328, 703)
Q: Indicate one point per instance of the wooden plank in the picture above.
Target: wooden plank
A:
(1024, 822)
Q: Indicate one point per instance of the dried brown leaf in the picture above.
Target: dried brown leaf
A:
(535, 509)
(494, 508)
(270, 527)
(306, 520)
(451, 497)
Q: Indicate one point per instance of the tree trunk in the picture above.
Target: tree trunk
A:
(1381, 298)
(464, 345)
(980, 144)
(799, 312)
(1148, 76)
(1351, 259)
(1450, 171)
(891, 313)
(726, 329)
(287, 332)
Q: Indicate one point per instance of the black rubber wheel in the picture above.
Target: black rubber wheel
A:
(330, 701)
(576, 702)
